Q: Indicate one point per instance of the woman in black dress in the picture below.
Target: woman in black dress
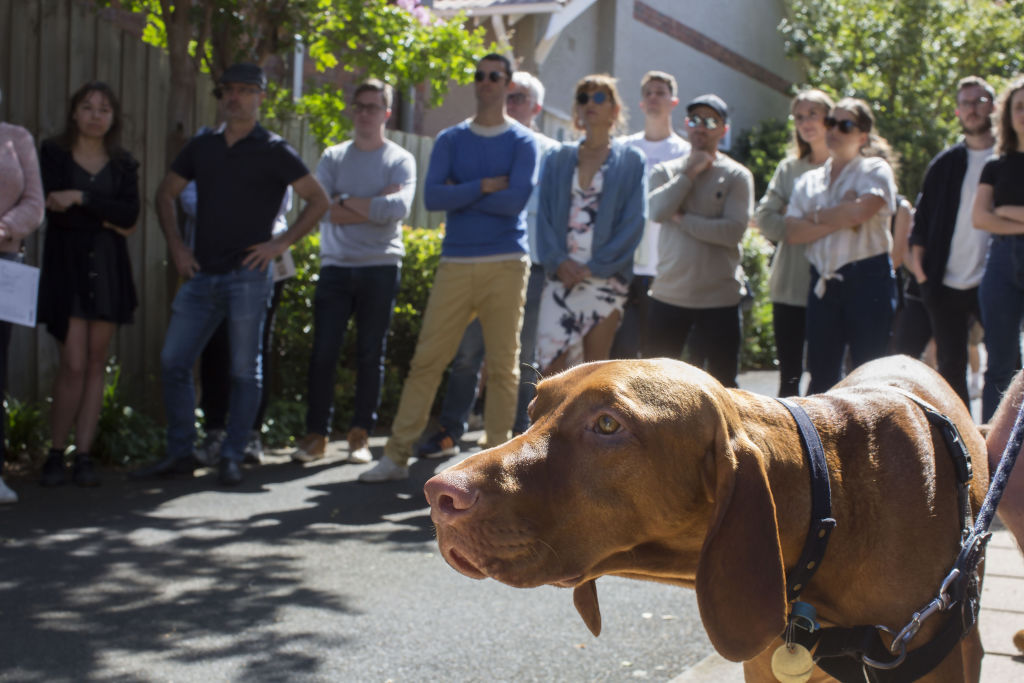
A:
(86, 288)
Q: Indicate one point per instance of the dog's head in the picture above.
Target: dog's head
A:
(634, 468)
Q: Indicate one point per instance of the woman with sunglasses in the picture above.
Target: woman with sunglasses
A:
(999, 209)
(85, 288)
(789, 277)
(842, 211)
(590, 219)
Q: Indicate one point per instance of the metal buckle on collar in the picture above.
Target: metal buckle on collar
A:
(876, 664)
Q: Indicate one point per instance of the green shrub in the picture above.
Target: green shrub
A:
(26, 430)
(758, 350)
(125, 435)
(761, 149)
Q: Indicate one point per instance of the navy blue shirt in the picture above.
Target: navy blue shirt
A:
(239, 192)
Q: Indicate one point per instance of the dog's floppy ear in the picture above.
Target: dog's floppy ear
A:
(741, 588)
(584, 596)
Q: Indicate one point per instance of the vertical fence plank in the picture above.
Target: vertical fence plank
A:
(81, 45)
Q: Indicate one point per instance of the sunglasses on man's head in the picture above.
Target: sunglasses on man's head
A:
(598, 97)
(846, 126)
(709, 122)
(494, 76)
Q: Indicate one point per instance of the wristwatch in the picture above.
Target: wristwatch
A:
(342, 198)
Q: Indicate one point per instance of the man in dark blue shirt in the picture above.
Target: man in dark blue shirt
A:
(241, 172)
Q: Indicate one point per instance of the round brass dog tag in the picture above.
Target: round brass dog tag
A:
(792, 663)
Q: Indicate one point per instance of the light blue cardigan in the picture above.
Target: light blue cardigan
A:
(621, 213)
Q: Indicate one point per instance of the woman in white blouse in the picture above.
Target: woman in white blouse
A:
(842, 211)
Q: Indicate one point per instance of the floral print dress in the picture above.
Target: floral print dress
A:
(566, 317)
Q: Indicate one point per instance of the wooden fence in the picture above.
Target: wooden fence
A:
(48, 48)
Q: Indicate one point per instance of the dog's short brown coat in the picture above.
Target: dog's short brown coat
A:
(653, 470)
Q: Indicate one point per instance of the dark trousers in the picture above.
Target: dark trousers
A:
(366, 293)
(1001, 296)
(911, 328)
(951, 312)
(718, 329)
(215, 370)
(790, 324)
(629, 337)
(856, 312)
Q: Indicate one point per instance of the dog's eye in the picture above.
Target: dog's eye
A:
(606, 424)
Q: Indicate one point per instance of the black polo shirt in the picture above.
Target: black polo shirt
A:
(238, 192)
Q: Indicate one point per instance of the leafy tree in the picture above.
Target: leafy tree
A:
(399, 42)
(905, 57)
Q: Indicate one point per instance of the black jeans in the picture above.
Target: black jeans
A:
(790, 324)
(951, 312)
(718, 329)
(628, 338)
(215, 370)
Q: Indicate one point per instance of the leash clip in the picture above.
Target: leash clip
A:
(941, 603)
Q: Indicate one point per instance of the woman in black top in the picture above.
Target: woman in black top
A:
(86, 288)
(999, 209)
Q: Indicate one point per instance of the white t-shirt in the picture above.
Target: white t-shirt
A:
(969, 246)
(863, 175)
(645, 259)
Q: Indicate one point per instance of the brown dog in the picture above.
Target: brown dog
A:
(653, 470)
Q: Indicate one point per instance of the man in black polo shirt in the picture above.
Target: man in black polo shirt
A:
(241, 173)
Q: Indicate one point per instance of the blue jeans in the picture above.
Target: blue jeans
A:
(368, 293)
(1001, 296)
(856, 311)
(200, 305)
(465, 370)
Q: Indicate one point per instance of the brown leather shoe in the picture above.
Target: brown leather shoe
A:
(310, 447)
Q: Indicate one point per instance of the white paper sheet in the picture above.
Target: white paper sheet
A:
(19, 287)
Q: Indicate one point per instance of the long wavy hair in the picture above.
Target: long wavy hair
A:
(800, 148)
(1007, 140)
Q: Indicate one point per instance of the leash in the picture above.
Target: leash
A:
(858, 653)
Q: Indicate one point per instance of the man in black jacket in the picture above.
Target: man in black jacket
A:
(947, 254)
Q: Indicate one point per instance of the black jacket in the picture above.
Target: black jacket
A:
(937, 206)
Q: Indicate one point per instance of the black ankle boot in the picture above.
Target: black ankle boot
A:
(54, 472)
(83, 473)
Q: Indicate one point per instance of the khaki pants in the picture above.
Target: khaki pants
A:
(494, 292)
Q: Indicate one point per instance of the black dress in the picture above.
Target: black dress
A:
(86, 272)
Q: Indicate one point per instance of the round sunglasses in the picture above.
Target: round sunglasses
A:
(598, 97)
(709, 122)
(494, 76)
(846, 126)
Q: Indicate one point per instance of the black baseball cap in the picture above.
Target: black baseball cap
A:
(250, 74)
(711, 101)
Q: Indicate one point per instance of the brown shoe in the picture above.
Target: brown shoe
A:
(359, 446)
(310, 447)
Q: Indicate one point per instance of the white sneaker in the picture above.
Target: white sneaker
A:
(253, 449)
(360, 455)
(208, 451)
(386, 469)
(6, 494)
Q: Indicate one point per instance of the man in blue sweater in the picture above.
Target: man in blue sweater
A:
(481, 174)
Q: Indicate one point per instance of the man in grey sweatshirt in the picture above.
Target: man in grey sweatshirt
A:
(371, 182)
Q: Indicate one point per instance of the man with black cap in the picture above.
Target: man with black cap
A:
(241, 172)
(703, 201)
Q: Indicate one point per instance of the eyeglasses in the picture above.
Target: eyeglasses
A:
(235, 89)
(494, 76)
(597, 98)
(359, 108)
(516, 98)
(969, 104)
(846, 126)
(709, 122)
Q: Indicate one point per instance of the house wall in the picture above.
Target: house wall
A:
(729, 47)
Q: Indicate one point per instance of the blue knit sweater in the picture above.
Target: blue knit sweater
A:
(621, 213)
(479, 224)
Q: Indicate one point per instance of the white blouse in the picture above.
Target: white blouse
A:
(863, 175)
